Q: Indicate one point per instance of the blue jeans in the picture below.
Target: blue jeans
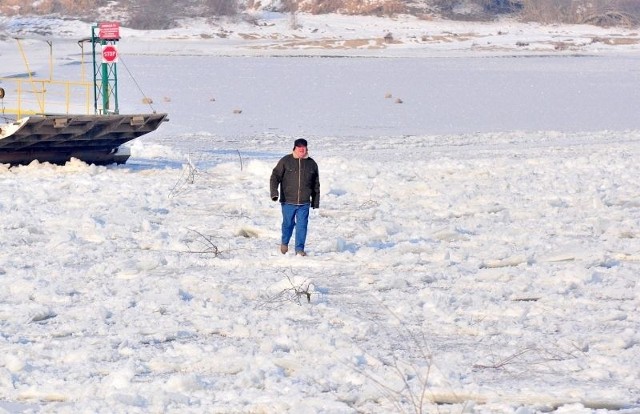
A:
(295, 216)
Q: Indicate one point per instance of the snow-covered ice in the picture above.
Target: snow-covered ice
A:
(476, 249)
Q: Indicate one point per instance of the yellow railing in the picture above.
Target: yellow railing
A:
(29, 96)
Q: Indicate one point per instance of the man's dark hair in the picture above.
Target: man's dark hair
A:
(300, 142)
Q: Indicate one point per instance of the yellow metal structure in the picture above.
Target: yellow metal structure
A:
(43, 96)
(26, 95)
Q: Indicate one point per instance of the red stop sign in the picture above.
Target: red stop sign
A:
(109, 54)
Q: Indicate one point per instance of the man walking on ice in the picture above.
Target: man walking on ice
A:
(299, 180)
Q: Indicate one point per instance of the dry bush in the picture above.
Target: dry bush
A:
(222, 7)
(289, 6)
(381, 8)
(46, 7)
(76, 8)
(629, 6)
(253, 4)
(325, 6)
(500, 6)
(13, 7)
(598, 12)
(551, 11)
(80, 7)
(356, 7)
(611, 19)
(389, 8)
(460, 10)
(152, 15)
(612, 13)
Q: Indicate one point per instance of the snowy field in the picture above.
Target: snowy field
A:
(476, 249)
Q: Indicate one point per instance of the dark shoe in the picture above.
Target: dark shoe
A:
(300, 253)
(284, 248)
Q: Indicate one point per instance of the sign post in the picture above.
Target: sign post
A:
(105, 75)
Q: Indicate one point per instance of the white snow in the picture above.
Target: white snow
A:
(476, 249)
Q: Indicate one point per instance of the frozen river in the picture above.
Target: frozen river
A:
(246, 96)
(465, 254)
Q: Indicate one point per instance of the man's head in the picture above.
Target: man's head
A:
(300, 142)
(300, 147)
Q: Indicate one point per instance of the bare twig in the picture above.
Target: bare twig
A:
(188, 176)
(520, 357)
(504, 361)
(296, 293)
(240, 156)
(413, 394)
(208, 246)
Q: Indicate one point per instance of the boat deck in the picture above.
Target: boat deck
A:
(58, 138)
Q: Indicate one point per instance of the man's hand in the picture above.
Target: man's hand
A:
(274, 198)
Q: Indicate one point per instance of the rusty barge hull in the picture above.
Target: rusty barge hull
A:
(94, 139)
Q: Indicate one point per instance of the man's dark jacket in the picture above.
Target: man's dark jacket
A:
(299, 181)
